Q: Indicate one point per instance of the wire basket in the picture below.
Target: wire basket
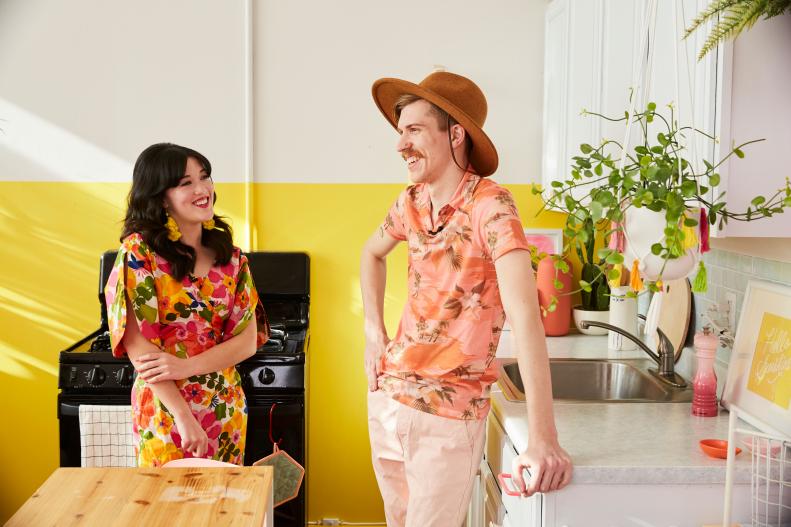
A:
(770, 480)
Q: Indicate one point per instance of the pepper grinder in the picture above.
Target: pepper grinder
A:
(704, 385)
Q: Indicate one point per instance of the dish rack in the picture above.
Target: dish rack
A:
(770, 479)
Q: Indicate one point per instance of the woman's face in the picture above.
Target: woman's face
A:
(192, 199)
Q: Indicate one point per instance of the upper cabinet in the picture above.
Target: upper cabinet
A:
(754, 103)
(595, 54)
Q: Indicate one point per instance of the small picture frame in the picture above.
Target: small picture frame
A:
(759, 372)
(549, 241)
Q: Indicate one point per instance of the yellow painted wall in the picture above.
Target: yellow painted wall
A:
(52, 235)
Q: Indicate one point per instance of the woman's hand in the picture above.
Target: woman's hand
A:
(193, 437)
(162, 366)
(375, 347)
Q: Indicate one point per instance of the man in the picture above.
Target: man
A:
(469, 267)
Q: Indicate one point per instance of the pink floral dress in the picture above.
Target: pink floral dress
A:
(184, 318)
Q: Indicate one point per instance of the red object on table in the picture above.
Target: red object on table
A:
(704, 385)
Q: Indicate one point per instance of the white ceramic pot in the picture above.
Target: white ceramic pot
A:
(644, 228)
(597, 316)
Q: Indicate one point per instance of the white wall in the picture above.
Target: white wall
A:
(315, 63)
(85, 85)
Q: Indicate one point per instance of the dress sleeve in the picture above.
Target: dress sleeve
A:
(246, 307)
(132, 276)
(500, 229)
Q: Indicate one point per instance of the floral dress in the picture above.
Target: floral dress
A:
(185, 318)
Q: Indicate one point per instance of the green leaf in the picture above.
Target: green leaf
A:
(595, 210)
(714, 180)
(645, 161)
(656, 249)
(688, 188)
(613, 274)
(585, 286)
(614, 258)
(558, 284)
(738, 153)
(690, 222)
(598, 170)
(586, 148)
(557, 184)
(757, 200)
(651, 106)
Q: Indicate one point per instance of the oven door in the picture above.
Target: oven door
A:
(288, 424)
(69, 421)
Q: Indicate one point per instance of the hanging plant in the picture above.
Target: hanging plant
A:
(733, 17)
(655, 175)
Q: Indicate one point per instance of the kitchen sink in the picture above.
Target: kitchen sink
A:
(606, 381)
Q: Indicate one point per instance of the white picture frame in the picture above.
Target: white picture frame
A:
(759, 371)
(544, 239)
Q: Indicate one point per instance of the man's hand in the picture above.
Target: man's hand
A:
(162, 366)
(374, 351)
(549, 466)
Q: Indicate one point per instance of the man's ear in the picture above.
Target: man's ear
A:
(457, 135)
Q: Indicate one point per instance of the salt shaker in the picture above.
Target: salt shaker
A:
(704, 385)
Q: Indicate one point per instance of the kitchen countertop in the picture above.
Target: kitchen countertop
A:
(624, 443)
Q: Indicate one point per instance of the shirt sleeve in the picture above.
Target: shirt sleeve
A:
(246, 307)
(132, 277)
(393, 223)
(500, 229)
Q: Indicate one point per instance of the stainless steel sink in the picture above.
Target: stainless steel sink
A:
(606, 381)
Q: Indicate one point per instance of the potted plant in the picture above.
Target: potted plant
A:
(594, 290)
(607, 184)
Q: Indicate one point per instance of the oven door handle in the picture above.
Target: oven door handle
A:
(70, 410)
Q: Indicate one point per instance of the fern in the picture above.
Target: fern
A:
(733, 17)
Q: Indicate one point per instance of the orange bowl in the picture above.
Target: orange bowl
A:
(716, 448)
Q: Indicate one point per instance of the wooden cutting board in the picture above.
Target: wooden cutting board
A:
(675, 311)
(151, 496)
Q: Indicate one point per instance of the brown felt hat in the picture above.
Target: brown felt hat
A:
(458, 96)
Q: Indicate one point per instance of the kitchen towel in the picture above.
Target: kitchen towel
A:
(106, 436)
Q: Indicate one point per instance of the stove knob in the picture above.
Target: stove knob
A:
(124, 376)
(266, 376)
(96, 376)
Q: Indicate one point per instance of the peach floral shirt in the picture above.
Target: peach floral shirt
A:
(441, 360)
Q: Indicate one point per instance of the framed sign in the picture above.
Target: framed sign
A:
(759, 373)
(549, 241)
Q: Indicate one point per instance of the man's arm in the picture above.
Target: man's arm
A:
(373, 276)
(549, 464)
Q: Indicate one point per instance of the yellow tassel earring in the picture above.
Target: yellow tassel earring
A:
(173, 229)
(209, 224)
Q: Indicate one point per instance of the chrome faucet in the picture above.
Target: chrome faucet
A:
(665, 359)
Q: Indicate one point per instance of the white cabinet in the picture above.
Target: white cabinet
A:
(754, 75)
(588, 64)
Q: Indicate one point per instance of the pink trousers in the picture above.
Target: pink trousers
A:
(425, 465)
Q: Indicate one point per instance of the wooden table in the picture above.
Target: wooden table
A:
(238, 496)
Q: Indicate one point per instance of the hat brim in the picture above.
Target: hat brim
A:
(387, 91)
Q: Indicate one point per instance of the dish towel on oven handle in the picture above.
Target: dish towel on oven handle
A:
(106, 436)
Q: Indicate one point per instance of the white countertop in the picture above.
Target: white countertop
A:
(624, 443)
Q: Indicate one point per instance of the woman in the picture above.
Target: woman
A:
(180, 302)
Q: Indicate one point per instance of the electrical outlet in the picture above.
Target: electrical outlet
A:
(730, 301)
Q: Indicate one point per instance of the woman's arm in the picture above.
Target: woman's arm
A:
(193, 438)
(156, 366)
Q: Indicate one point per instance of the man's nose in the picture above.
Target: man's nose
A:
(403, 143)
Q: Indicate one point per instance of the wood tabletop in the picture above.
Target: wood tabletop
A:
(237, 496)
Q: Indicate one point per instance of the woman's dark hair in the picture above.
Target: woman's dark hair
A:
(158, 168)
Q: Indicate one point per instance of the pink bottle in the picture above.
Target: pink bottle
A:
(704, 385)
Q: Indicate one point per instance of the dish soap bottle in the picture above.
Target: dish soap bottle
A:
(704, 385)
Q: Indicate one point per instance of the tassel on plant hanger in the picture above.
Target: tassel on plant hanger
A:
(635, 281)
(690, 238)
(700, 283)
(616, 238)
(704, 232)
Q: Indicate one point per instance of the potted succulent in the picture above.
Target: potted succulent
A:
(608, 186)
(594, 289)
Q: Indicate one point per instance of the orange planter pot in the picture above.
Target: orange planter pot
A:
(557, 322)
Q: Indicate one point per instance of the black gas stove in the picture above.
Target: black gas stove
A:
(273, 378)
